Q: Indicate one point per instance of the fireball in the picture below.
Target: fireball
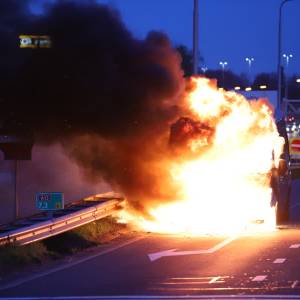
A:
(227, 148)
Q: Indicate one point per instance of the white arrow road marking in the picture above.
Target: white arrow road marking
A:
(214, 279)
(279, 260)
(259, 278)
(295, 246)
(294, 284)
(173, 252)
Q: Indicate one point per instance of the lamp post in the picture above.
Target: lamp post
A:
(287, 58)
(204, 69)
(279, 75)
(223, 64)
(195, 37)
(249, 61)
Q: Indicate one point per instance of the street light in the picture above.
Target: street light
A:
(249, 60)
(195, 37)
(223, 64)
(204, 69)
(279, 75)
(287, 58)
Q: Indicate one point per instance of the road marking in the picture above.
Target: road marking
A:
(279, 260)
(294, 284)
(214, 279)
(183, 283)
(130, 297)
(190, 278)
(259, 278)
(173, 252)
(236, 295)
(295, 246)
(68, 265)
(194, 280)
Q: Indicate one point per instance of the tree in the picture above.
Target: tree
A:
(293, 88)
(268, 79)
(231, 79)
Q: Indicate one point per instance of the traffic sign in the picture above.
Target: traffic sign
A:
(294, 145)
(35, 41)
(49, 200)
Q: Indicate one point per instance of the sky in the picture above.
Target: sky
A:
(229, 30)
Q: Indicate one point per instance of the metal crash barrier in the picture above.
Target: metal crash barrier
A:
(72, 217)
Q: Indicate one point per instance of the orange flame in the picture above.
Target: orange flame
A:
(226, 183)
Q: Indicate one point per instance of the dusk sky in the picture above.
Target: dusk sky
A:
(230, 30)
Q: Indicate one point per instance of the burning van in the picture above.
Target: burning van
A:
(224, 149)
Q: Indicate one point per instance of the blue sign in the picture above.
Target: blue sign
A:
(49, 200)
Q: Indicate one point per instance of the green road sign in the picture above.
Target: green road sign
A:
(49, 201)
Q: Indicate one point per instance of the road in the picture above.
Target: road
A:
(153, 264)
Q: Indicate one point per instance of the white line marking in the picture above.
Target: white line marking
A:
(222, 244)
(279, 260)
(68, 265)
(130, 297)
(183, 283)
(173, 252)
(191, 278)
(295, 246)
(213, 280)
(259, 278)
(294, 284)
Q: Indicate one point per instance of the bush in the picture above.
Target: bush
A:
(12, 256)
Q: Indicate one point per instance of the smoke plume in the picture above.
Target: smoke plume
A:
(106, 96)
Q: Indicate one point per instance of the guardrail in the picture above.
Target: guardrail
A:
(51, 227)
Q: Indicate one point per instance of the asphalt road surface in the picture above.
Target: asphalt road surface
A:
(152, 264)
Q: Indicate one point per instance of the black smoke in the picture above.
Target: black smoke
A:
(108, 97)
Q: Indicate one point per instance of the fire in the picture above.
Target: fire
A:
(223, 171)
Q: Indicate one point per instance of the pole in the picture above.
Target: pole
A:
(286, 77)
(287, 58)
(223, 75)
(195, 37)
(279, 71)
(249, 61)
(16, 190)
(223, 64)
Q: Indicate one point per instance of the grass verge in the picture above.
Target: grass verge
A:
(13, 258)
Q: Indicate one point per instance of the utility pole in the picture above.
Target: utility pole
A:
(17, 206)
(287, 58)
(223, 64)
(195, 37)
(279, 66)
(249, 61)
